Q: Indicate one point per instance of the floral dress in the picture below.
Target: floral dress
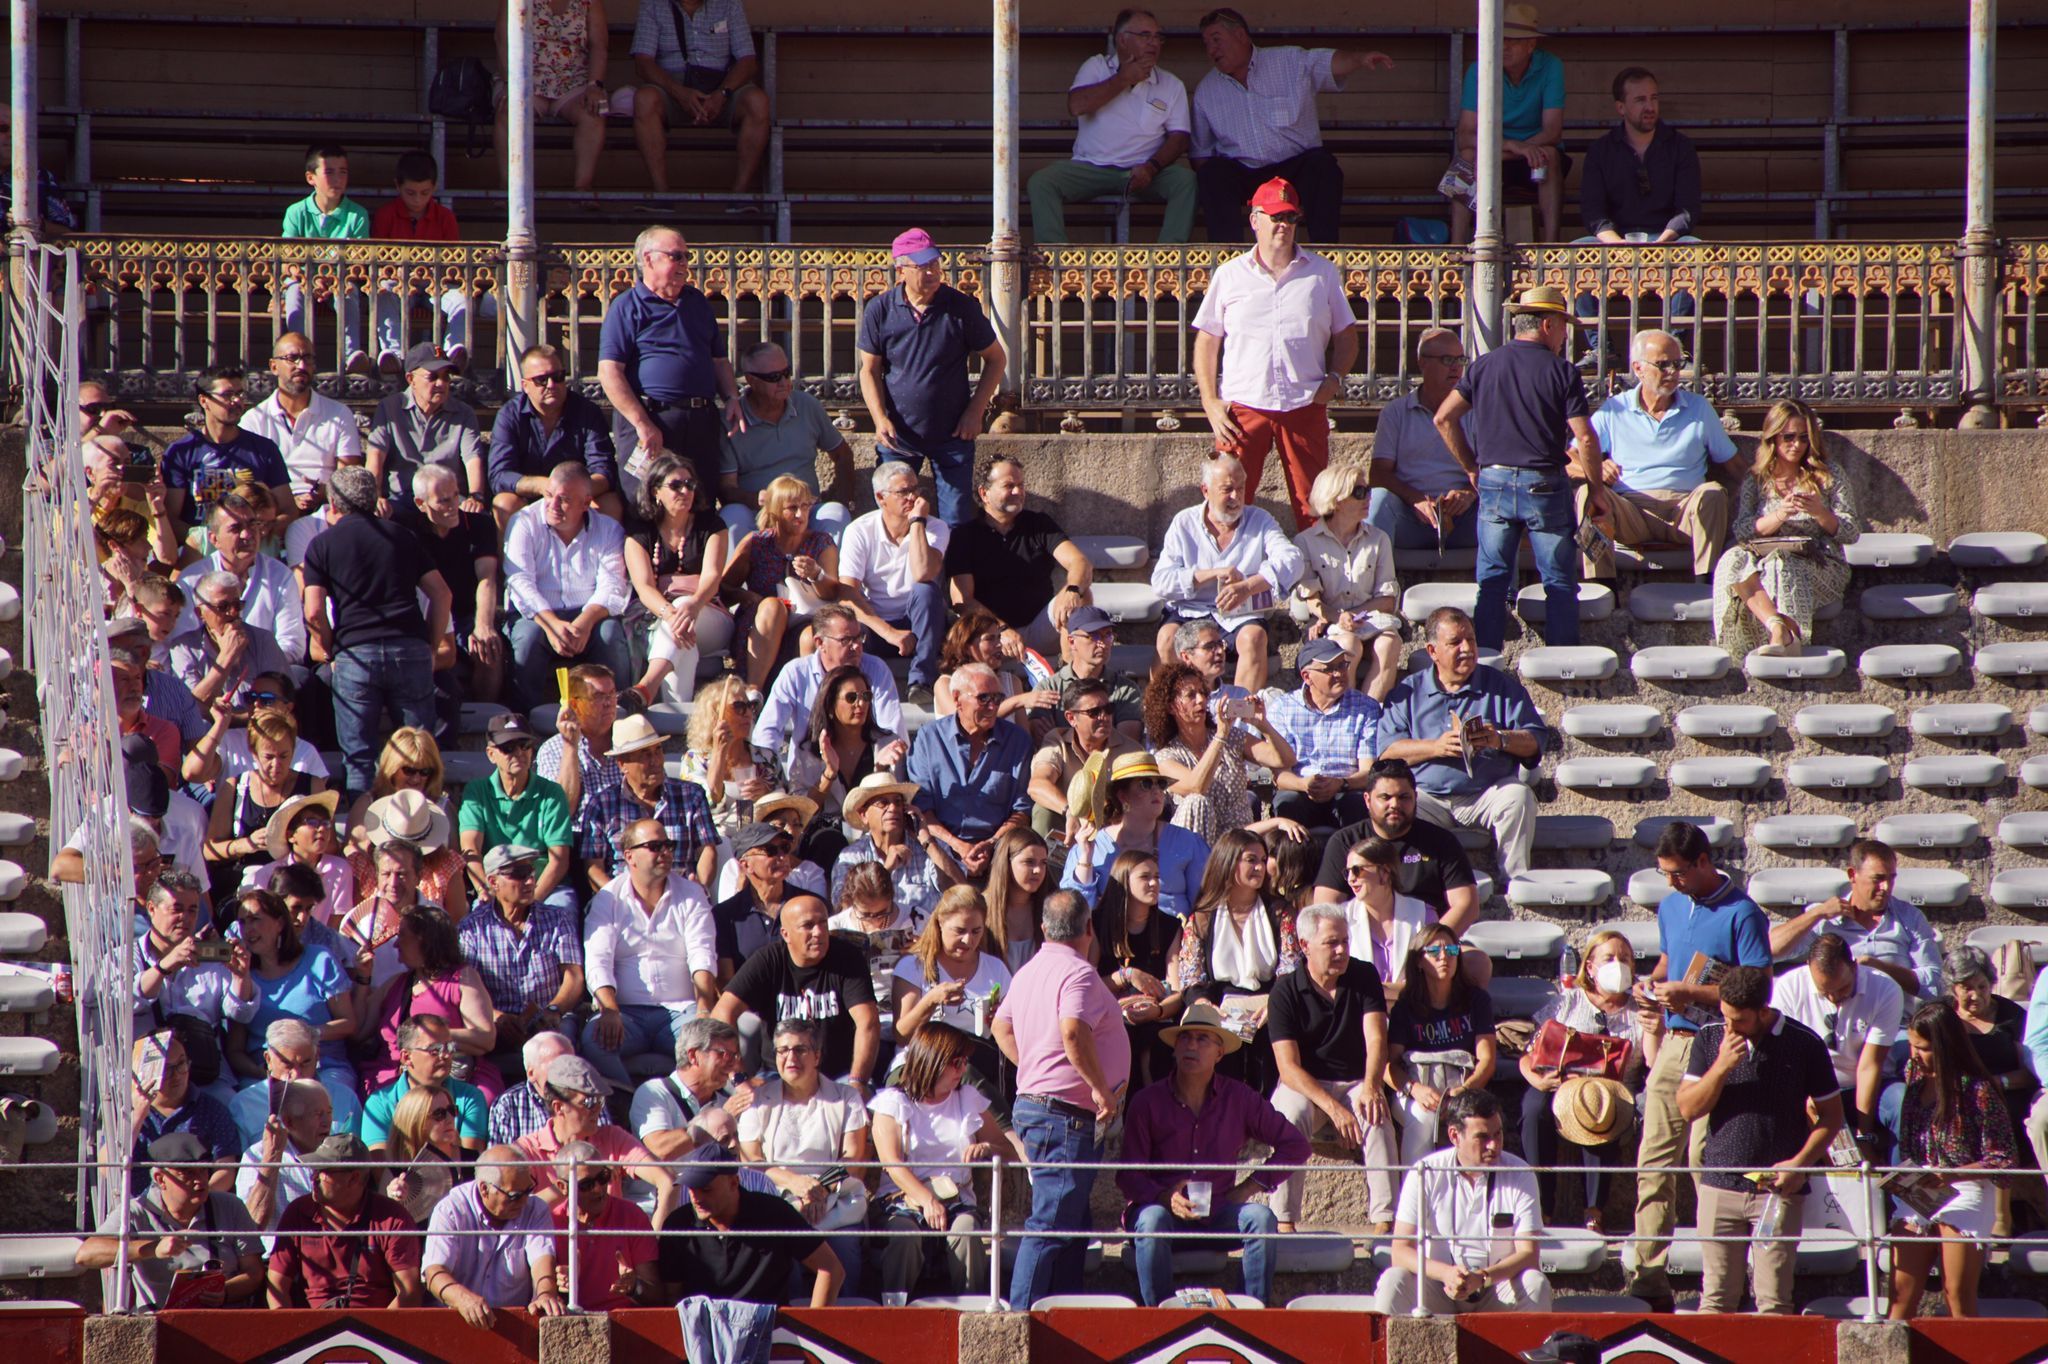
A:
(1800, 583)
(1982, 1131)
(1227, 804)
(768, 564)
(728, 812)
(561, 49)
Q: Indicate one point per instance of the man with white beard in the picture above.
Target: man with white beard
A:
(1227, 562)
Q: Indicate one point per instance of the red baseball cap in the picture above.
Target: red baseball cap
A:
(1276, 194)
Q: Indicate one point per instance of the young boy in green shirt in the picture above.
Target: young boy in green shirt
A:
(327, 213)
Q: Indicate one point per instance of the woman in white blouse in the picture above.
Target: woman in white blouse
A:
(807, 1124)
(949, 977)
(1347, 580)
(1383, 921)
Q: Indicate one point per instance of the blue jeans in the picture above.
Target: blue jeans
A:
(534, 660)
(952, 473)
(394, 676)
(1059, 1202)
(1155, 1253)
(927, 620)
(1389, 513)
(648, 1027)
(351, 316)
(1538, 501)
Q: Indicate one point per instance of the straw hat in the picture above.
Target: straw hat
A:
(633, 733)
(1592, 1110)
(409, 815)
(274, 831)
(784, 800)
(1202, 1016)
(1088, 792)
(872, 787)
(1548, 300)
(1520, 22)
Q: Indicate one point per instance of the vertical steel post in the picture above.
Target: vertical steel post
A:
(521, 304)
(995, 1235)
(1005, 289)
(1489, 252)
(1977, 256)
(25, 216)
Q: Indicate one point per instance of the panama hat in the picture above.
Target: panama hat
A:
(1592, 1110)
(633, 733)
(1088, 792)
(1202, 1016)
(281, 822)
(1520, 22)
(784, 800)
(409, 815)
(873, 787)
(1547, 299)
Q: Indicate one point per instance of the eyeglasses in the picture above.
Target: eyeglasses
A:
(798, 1050)
(593, 1183)
(1441, 949)
(178, 1067)
(293, 357)
(1356, 870)
(1666, 366)
(655, 845)
(1090, 712)
(731, 1054)
(677, 256)
(852, 641)
(1454, 361)
(856, 698)
(319, 817)
(222, 608)
(448, 1049)
(772, 376)
(232, 398)
(1287, 219)
(1211, 646)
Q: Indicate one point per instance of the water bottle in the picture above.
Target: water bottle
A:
(1770, 1221)
(1568, 966)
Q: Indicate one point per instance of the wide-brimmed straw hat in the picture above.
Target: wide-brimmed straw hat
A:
(1592, 1110)
(1203, 1016)
(280, 823)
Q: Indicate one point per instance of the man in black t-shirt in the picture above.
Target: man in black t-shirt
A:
(1328, 1023)
(808, 973)
(732, 1264)
(1766, 1085)
(464, 546)
(1003, 562)
(382, 653)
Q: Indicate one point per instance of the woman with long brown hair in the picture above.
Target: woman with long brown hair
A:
(1134, 945)
(1018, 882)
(1236, 942)
(675, 558)
(1439, 1016)
(1784, 558)
(977, 637)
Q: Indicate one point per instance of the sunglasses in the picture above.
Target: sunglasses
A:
(776, 849)
(989, 698)
(593, 1183)
(448, 1049)
(422, 773)
(851, 698)
(1666, 366)
(1143, 784)
(772, 376)
(1091, 712)
(515, 748)
(95, 409)
(439, 1113)
(1284, 219)
(655, 845)
(518, 871)
(1455, 361)
(677, 256)
(1356, 870)
(1441, 949)
(681, 485)
(552, 377)
(511, 1195)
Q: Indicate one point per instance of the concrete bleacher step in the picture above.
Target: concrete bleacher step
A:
(1613, 721)
(1809, 662)
(2011, 601)
(2027, 830)
(1844, 772)
(1955, 772)
(1928, 831)
(22, 935)
(1908, 662)
(1733, 773)
(1574, 833)
(1619, 773)
(1567, 663)
(1848, 721)
(2024, 660)
(25, 994)
(1935, 887)
(1800, 833)
(1671, 603)
(1114, 551)
(1642, 935)
(1681, 663)
(1516, 939)
(1883, 549)
(1795, 887)
(1559, 888)
(1978, 720)
(1422, 598)
(2020, 888)
(1719, 829)
(1908, 601)
(13, 880)
(1128, 602)
(1998, 549)
(1596, 602)
(1648, 887)
(40, 1257)
(2037, 722)
(1727, 722)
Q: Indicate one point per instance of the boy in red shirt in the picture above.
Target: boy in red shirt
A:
(416, 215)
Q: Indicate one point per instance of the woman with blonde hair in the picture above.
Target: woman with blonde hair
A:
(411, 761)
(721, 759)
(950, 975)
(1347, 589)
(778, 571)
(424, 1152)
(1784, 559)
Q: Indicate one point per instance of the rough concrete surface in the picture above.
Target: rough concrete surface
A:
(1873, 1342)
(994, 1337)
(120, 1340)
(1422, 1340)
(576, 1340)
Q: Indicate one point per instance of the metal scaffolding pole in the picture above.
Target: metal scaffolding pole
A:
(1489, 252)
(1977, 255)
(1005, 246)
(25, 215)
(521, 304)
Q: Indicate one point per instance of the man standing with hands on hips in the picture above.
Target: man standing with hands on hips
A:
(1291, 339)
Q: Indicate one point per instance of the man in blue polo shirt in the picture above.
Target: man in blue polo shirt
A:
(1528, 407)
(548, 423)
(659, 361)
(914, 343)
(1658, 440)
(1706, 915)
(202, 465)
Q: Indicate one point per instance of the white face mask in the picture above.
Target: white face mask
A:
(1614, 976)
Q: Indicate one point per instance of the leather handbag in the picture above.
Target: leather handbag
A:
(1570, 1052)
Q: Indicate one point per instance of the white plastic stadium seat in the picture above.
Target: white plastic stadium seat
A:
(1613, 721)
(1115, 551)
(1849, 772)
(1955, 772)
(2037, 721)
(1571, 1250)
(1798, 833)
(2028, 829)
(13, 880)
(1789, 887)
(1648, 887)
(40, 1257)
(965, 1302)
(1567, 663)
(1681, 663)
(1719, 829)
(1928, 831)
(1812, 661)
(1128, 601)
(1596, 602)
(1331, 1302)
(1889, 550)
(22, 935)
(1670, 603)
(1422, 598)
(2011, 601)
(1991, 937)
(2022, 660)
(1909, 662)
(1736, 773)
(1574, 833)
(1852, 721)
(1521, 996)
(27, 1056)
(1641, 935)
(1974, 720)
(1936, 886)
(1068, 1300)
(10, 602)
(16, 829)
(2034, 772)
(1515, 939)
(1727, 722)
(1620, 773)
(1997, 549)
(1310, 1252)
(2021, 888)
(1558, 887)
(24, 994)
(1908, 601)
(10, 764)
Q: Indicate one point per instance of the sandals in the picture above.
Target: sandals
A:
(1774, 649)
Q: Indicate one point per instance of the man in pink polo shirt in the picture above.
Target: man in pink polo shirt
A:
(1061, 1027)
(1274, 338)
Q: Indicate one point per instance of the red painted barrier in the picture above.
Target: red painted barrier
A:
(1492, 1339)
(1941, 1341)
(54, 1335)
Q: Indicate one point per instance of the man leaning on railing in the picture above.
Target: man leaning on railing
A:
(490, 1244)
(188, 1246)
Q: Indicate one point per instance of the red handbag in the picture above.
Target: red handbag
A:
(1567, 1051)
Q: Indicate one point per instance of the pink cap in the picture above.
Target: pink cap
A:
(914, 248)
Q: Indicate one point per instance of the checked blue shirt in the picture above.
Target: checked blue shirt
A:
(521, 969)
(683, 810)
(1337, 742)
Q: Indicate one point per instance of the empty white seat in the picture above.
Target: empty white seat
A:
(6, 665)
(1928, 831)
(1955, 772)
(2025, 830)
(40, 1257)
(1515, 939)
(1570, 1250)
(1521, 996)
(1719, 829)
(1936, 886)
(1422, 598)
(1560, 887)
(1567, 663)
(1648, 887)
(1734, 773)
(964, 1302)
(24, 994)
(1787, 887)
(1128, 601)
(463, 765)
(1574, 833)
(1727, 722)
(26, 1056)
(1794, 833)
(2020, 888)
(10, 602)
(1904, 662)
(1311, 1252)
(1889, 550)
(1663, 559)
(1907, 601)
(2034, 772)
(1681, 663)
(1331, 1302)
(1596, 602)
(1811, 661)
(10, 764)
(2011, 601)
(16, 829)
(1642, 935)
(2029, 659)
(1115, 551)
(22, 935)
(2037, 721)
(1482, 886)
(1620, 773)
(1613, 721)
(13, 880)
(1973, 720)
(1052, 1300)
(1991, 937)
(1852, 721)
(1998, 549)
(1661, 603)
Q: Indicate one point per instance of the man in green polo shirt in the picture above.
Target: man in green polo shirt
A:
(512, 805)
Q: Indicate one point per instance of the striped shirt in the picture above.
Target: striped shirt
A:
(1271, 115)
(718, 35)
(1327, 743)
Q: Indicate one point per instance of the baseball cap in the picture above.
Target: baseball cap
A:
(426, 355)
(701, 1166)
(574, 1075)
(340, 1148)
(179, 1148)
(1564, 1347)
(507, 727)
(913, 248)
(1318, 653)
(506, 855)
(1086, 620)
(149, 790)
(748, 837)
(1275, 196)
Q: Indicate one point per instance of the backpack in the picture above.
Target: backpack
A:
(461, 93)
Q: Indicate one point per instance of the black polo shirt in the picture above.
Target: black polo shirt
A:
(745, 1268)
(1523, 395)
(667, 348)
(1330, 1032)
(1433, 862)
(1012, 570)
(924, 361)
(1760, 1118)
(371, 570)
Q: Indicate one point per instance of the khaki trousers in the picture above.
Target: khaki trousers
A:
(1666, 1137)
(1643, 519)
(1724, 1264)
(1528, 1291)
(1508, 811)
(1381, 1148)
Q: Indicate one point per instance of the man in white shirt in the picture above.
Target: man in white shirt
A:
(1134, 131)
(313, 432)
(1859, 1011)
(1226, 561)
(1484, 1217)
(274, 1170)
(676, 1113)
(270, 594)
(1421, 496)
(1274, 338)
(890, 561)
(650, 954)
(565, 572)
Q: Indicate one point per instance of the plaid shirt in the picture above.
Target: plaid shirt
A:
(683, 810)
(521, 969)
(599, 772)
(1336, 742)
(719, 36)
(520, 1110)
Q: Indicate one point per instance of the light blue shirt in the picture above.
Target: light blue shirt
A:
(1902, 938)
(2036, 1038)
(1259, 548)
(971, 794)
(1662, 454)
(1726, 925)
(1420, 708)
(1339, 742)
(1182, 856)
(786, 713)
